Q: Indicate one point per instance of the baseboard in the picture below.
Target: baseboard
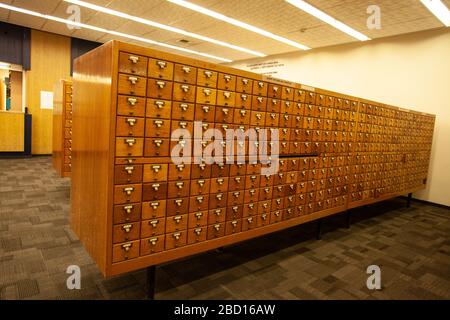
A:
(428, 202)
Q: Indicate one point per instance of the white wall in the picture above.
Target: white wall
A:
(410, 71)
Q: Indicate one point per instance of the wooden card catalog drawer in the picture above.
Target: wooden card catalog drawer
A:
(131, 106)
(132, 85)
(127, 174)
(127, 213)
(159, 89)
(206, 95)
(157, 128)
(260, 88)
(155, 147)
(226, 82)
(133, 64)
(185, 74)
(157, 108)
(160, 69)
(130, 126)
(152, 245)
(127, 193)
(127, 146)
(125, 251)
(207, 78)
(184, 92)
(244, 85)
(126, 232)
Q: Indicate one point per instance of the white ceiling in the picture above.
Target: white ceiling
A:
(276, 16)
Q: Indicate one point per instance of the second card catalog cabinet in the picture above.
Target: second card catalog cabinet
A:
(132, 207)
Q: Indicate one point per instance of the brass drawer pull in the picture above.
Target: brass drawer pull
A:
(227, 78)
(199, 215)
(153, 241)
(264, 216)
(200, 199)
(278, 201)
(234, 223)
(235, 209)
(219, 196)
(205, 109)
(250, 220)
(201, 183)
(158, 143)
(185, 88)
(277, 213)
(286, 117)
(158, 123)
(183, 124)
(275, 89)
(133, 59)
(245, 81)
(156, 168)
(130, 142)
(128, 190)
(186, 69)
(198, 231)
(265, 205)
(131, 121)
(236, 194)
(227, 95)
(180, 185)
(129, 169)
(132, 101)
(180, 167)
(156, 186)
(128, 209)
(160, 104)
(154, 223)
(179, 202)
(261, 84)
(127, 228)
(161, 64)
(160, 84)
(258, 116)
(217, 227)
(154, 205)
(133, 80)
(127, 246)
(208, 74)
(252, 191)
(260, 99)
(220, 181)
(251, 206)
(177, 219)
(274, 102)
(266, 190)
(218, 212)
(177, 235)
(243, 112)
(288, 90)
(184, 106)
(244, 97)
(225, 111)
(237, 179)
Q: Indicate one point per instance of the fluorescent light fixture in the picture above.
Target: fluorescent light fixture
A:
(119, 34)
(237, 23)
(162, 26)
(302, 5)
(439, 10)
(4, 66)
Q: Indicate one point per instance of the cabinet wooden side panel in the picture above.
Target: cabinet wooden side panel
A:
(91, 151)
(58, 109)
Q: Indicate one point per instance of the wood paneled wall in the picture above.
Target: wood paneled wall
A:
(11, 131)
(50, 61)
(16, 90)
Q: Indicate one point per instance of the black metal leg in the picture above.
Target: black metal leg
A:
(408, 200)
(349, 219)
(151, 282)
(319, 229)
(220, 250)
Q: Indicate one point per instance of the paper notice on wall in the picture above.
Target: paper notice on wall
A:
(47, 100)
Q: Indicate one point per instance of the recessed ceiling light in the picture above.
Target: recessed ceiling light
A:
(237, 23)
(119, 34)
(162, 26)
(439, 10)
(328, 19)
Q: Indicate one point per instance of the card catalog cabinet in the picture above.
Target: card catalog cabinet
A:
(133, 207)
(62, 127)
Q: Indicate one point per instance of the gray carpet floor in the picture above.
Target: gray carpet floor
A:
(410, 245)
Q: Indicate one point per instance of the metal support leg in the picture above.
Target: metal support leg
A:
(349, 219)
(220, 250)
(408, 200)
(319, 229)
(151, 282)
